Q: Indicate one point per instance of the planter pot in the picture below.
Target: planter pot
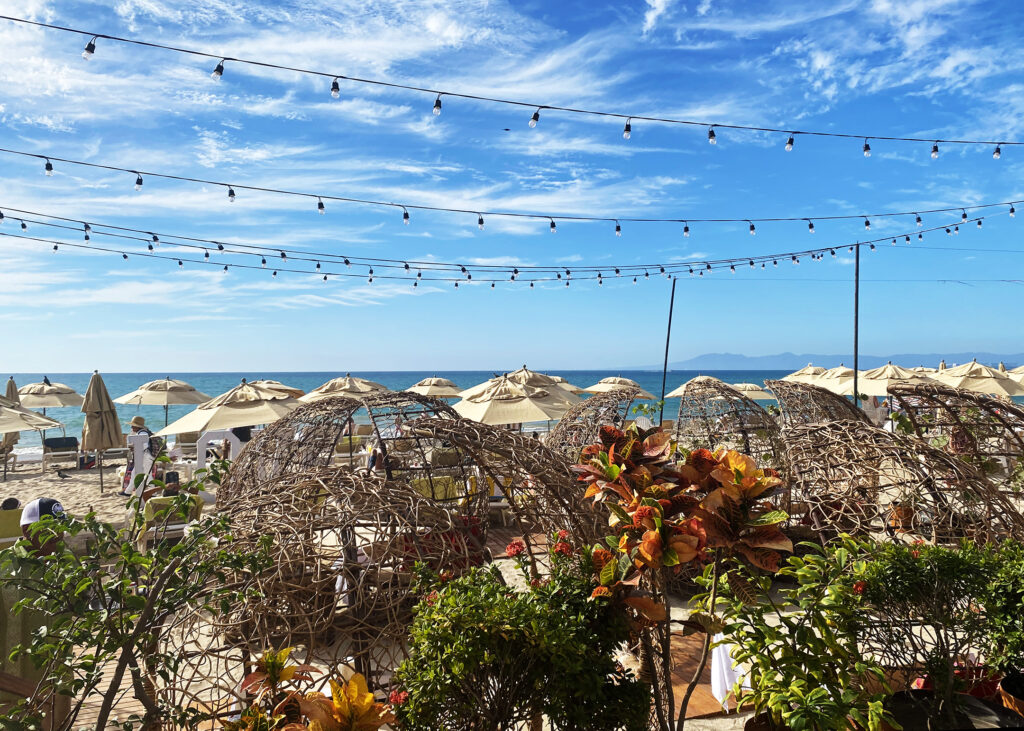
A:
(1011, 690)
(910, 709)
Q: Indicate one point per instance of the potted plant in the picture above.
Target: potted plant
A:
(1003, 606)
(798, 643)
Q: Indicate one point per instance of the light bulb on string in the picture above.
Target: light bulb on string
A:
(762, 265)
(920, 237)
(872, 247)
(917, 220)
(347, 263)
(618, 229)
(686, 230)
(320, 206)
(906, 239)
(219, 71)
(997, 153)
(405, 215)
(124, 256)
(708, 267)
(810, 226)
(55, 247)
(456, 285)
(627, 131)
(867, 225)
(567, 283)
(419, 275)
(156, 239)
(935, 151)
(796, 261)
(979, 223)
(691, 271)
(231, 194)
(48, 168)
(634, 280)
(138, 181)
(535, 118)
(284, 256)
(963, 215)
(206, 255)
(948, 232)
(318, 266)
(263, 262)
(832, 252)
(90, 48)
(335, 89)
(225, 268)
(1013, 211)
(712, 139)
(325, 277)
(956, 230)
(752, 230)
(732, 268)
(85, 227)
(149, 246)
(437, 106)
(552, 228)
(462, 269)
(775, 262)
(274, 273)
(789, 144)
(646, 275)
(867, 149)
(24, 226)
(415, 283)
(181, 264)
(492, 285)
(405, 266)
(220, 247)
(480, 221)
(617, 272)
(531, 285)
(751, 263)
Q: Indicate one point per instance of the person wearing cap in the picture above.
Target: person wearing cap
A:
(34, 512)
(138, 426)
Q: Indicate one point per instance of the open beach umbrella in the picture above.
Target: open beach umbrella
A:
(508, 402)
(562, 383)
(347, 385)
(753, 391)
(163, 392)
(525, 377)
(975, 376)
(838, 380)
(243, 405)
(876, 382)
(278, 386)
(616, 383)
(46, 395)
(101, 430)
(15, 418)
(681, 390)
(1017, 374)
(807, 374)
(439, 387)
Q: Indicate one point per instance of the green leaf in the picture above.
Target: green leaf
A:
(619, 513)
(608, 573)
(770, 518)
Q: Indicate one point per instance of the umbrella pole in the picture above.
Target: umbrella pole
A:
(99, 464)
(668, 336)
(856, 323)
(166, 410)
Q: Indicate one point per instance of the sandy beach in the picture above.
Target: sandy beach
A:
(79, 494)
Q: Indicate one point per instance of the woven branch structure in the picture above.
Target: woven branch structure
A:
(805, 403)
(582, 423)
(988, 432)
(855, 478)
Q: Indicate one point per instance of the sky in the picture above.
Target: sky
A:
(921, 68)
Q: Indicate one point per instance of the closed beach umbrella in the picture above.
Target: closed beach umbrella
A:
(975, 376)
(807, 374)
(10, 438)
(439, 387)
(102, 430)
(508, 402)
(46, 395)
(347, 385)
(278, 386)
(616, 383)
(243, 405)
(164, 392)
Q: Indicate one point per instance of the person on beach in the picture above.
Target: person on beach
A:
(34, 512)
(138, 426)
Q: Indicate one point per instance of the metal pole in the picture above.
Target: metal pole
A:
(856, 323)
(668, 337)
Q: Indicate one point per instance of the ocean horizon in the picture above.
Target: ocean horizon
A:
(214, 383)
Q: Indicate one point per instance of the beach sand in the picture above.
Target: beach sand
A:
(79, 494)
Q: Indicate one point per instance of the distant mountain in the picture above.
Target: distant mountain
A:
(793, 361)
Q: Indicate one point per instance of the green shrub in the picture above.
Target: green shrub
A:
(1004, 603)
(485, 657)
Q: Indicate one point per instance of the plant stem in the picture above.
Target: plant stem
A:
(706, 650)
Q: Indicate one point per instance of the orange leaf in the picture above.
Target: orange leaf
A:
(647, 607)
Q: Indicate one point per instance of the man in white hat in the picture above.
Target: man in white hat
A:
(138, 426)
(36, 511)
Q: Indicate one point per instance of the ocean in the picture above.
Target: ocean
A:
(217, 383)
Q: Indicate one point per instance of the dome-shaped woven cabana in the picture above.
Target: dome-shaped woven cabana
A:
(986, 431)
(343, 547)
(855, 478)
(582, 423)
(805, 403)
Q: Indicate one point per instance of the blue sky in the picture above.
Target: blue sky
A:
(929, 68)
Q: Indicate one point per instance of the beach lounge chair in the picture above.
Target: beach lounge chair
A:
(159, 525)
(186, 442)
(9, 459)
(60, 449)
(10, 527)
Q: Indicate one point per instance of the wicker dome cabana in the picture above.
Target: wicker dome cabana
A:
(582, 423)
(805, 403)
(856, 478)
(986, 431)
(343, 547)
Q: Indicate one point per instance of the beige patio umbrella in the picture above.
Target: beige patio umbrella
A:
(616, 383)
(163, 392)
(924, 370)
(101, 430)
(562, 383)
(525, 377)
(46, 395)
(243, 405)
(508, 402)
(975, 376)
(681, 390)
(807, 374)
(14, 419)
(347, 385)
(10, 438)
(876, 381)
(439, 387)
(838, 380)
(753, 391)
(1017, 374)
(278, 386)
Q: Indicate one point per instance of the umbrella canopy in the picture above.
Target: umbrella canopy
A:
(533, 379)
(807, 374)
(975, 376)
(753, 391)
(46, 395)
(924, 370)
(615, 383)
(347, 385)
(244, 405)
(14, 418)
(101, 430)
(876, 382)
(681, 390)
(440, 387)
(562, 383)
(163, 392)
(838, 380)
(1017, 374)
(508, 402)
(11, 438)
(278, 386)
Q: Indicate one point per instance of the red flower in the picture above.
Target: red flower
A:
(430, 598)
(446, 576)
(515, 548)
(563, 535)
(536, 583)
(915, 553)
(398, 697)
(859, 587)
(562, 548)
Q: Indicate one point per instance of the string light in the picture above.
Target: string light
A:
(711, 136)
(627, 131)
(325, 277)
(24, 226)
(1013, 211)
(55, 247)
(686, 230)
(274, 273)
(997, 153)
(335, 89)
(935, 151)
(138, 182)
(124, 256)
(319, 206)
(753, 231)
(181, 264)
(263, 261)
(437, 106)
(867, 224)
(552, 228)
(405, 215)
(48, 169)
(480, 222)
(90, 48)
(206, 255)
(867, 149)
(225, 268)
(535, 118)
(963, 215)
(284, 256)
(979, 223)
(219, 71)
(920, 237)
(618, 229)
(789, 144)
(810, 226)
(231, 194)
(917, 219)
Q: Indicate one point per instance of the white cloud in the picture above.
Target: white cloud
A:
(655, 9)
